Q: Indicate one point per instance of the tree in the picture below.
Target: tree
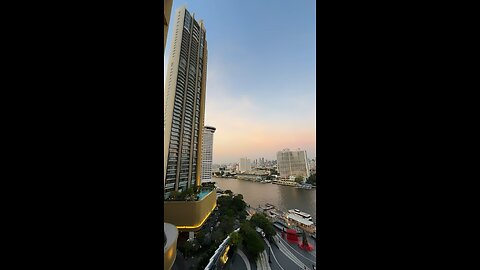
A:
(188, 248)
(229, 192)
(242, 215)
(224, 203)
(230, 212)
(251, 240)
(238, 204)
(312, 179)
(200, 236)
(235, 239)
(217, 236)
(299, 179)
(226, 223)
(207, 240)
(261, 221)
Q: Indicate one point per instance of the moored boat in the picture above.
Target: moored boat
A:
(301, 214)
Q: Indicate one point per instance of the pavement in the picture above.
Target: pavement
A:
(244, 258)
(236, 262)
(262, 261)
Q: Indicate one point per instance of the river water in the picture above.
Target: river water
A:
(283, 197)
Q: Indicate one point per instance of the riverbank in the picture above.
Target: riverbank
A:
(283, 197)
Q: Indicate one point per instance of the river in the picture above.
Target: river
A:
(283, 197)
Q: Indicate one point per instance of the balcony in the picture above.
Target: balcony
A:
(170, 235)
(189, 215)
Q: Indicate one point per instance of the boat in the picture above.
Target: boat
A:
(301, 214)
(267, 207)
(305, 186)
(286, 183)
(303, 223)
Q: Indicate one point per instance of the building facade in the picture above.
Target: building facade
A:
(170, 232)
(167, 11)
(292, 163)
(207, 153)
(245, 165)
(184, 103)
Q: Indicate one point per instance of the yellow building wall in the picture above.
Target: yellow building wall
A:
(189, 215)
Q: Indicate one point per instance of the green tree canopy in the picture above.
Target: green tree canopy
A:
(238, 204)
(251, 240)
(235, 238)
(261, 221)
(312, 179)
(299, 179)
(217, 236)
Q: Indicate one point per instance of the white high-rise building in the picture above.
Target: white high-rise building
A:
(207, 153)
(245, 165)
(292, 163)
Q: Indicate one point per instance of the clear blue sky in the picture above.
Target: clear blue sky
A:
(260, 75)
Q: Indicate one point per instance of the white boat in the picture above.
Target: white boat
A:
(305, 186)
(301, 214)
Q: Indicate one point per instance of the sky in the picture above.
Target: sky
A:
(260, 92)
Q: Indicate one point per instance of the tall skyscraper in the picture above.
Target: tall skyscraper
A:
(167, 10)
(170, 232)
(184, 103)
(292, 163)
(207, 153)
(245, 165)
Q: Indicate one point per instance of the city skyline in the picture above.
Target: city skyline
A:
(261, 76)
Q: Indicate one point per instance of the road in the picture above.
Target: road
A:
(286, 256)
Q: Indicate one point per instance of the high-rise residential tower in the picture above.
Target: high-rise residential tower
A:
(207, 152)
(167, 10)
(292, 163)
(184, 103)
(170, 232)
(245, 165)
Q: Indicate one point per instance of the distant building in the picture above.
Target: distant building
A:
(245, 165)
(261, 162)
(293, 163)
(313, 165)
(207, 152)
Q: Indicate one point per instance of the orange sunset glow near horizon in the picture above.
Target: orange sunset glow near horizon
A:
(261, 78)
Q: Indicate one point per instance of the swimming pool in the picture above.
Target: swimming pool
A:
(204, 193)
